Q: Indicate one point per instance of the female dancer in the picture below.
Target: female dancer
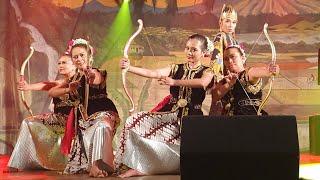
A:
(38, 143)
(94, 119)
(150, 141)
(241, 88)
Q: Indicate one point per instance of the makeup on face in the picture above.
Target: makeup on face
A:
(79, 56)
(65, 65)
(228, 25)
(233, 60)
(193, 50)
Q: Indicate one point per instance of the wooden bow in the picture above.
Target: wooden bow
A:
(23, 67)
(124, 71)
(273, 61)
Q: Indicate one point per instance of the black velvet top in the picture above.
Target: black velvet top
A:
(98, 98)
(237, 102)
(193, 96)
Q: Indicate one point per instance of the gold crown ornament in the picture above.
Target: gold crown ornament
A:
(228, 12)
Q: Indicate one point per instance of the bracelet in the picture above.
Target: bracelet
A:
(65, 90)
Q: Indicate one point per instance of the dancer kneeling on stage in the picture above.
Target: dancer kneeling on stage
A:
(92, 122)
(38, 143)
(150, 141)
(241, 88)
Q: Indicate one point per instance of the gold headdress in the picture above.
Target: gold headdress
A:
(228, 12)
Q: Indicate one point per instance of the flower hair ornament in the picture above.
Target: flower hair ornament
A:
(69, 47)
(80, 41)
(74, 42)
(210, 45)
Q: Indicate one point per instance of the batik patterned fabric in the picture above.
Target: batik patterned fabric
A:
(150, 141)
(94, 135)
(236, 101)
(93, 142)
(38, 143)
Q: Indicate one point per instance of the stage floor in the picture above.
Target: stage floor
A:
(51, 175)
(309, 169)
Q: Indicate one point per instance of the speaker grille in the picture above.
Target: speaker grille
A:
(239, 147)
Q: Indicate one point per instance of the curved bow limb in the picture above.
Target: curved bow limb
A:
(124, 71)
(273, 61)
(23, 67)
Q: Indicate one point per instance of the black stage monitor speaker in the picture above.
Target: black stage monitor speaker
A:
(239, 148)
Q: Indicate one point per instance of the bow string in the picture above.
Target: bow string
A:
(273, 61)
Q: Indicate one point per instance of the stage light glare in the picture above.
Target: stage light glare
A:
(117, 35)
